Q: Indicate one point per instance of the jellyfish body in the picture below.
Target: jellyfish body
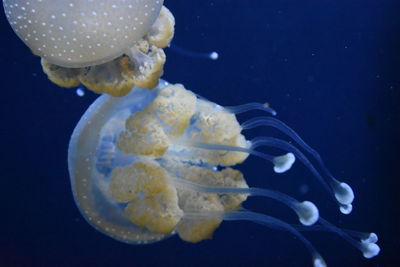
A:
(155, 163)
(122, 163)
(159, 162)
(109, 46)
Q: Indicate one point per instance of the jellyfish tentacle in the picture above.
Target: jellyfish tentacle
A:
(367, 246)
(185, 52)
(367, 237)
(284, 162)
(281, 163)
(264, 220)
(364, 237)
(281, 144)
(343, 191)
(208, 146)
(251, 106)
(366, 242)
(272, 222)
(306, 211)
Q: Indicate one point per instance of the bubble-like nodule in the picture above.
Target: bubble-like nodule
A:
(80, 33)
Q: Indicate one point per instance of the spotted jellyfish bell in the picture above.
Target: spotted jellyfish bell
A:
(109, 46)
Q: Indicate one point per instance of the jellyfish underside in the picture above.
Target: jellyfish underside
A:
(141, 65)
(157, 163)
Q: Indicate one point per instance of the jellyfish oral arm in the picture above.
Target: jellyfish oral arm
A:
(185, 52)
(249, 107)
(306, 211)
(365, 242)
(264, 220)
(342, 191)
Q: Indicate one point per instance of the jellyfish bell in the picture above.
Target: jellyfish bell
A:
(68, 33)
(109, 46)
(160, 162)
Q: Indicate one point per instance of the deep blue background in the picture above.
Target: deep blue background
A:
(330, 68)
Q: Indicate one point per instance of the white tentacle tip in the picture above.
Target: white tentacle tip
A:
(343, 193)
(372, 238)
(319, 262)
(308, 213)
(346, 209)
(284, 162)
(213, 55)
(370, 250)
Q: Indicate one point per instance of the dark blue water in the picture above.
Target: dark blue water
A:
(330, 68)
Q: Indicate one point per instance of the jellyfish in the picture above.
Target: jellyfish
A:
(108, 46)
(158, 163)
(149, 164)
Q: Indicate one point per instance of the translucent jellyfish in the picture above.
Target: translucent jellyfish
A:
(109, 46)
(159, 162)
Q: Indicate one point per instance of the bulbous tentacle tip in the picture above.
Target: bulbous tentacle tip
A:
(346, 209)
(343, 193)
(319, 261)
(308, 213)
(214, 55)
(283, 163)
(369, 250)
(372, 238)
(269, 109)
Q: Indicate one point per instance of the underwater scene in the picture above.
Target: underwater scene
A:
(200, 133)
